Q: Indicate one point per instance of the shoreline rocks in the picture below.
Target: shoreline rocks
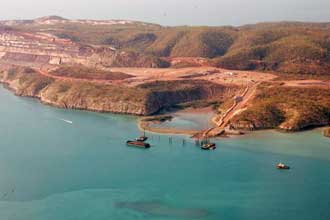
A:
(326, 132)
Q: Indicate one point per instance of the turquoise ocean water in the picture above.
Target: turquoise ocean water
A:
(52, 169)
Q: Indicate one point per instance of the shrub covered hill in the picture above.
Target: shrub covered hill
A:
(288, 47)
(285, 108)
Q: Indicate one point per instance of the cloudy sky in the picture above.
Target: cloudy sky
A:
(173, 12)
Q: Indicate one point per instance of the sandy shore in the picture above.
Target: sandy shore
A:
(147, 125)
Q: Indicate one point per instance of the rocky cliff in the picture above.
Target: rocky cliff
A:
(145, 99)
(78, 95)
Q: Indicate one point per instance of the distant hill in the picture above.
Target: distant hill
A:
(285, 47)
(288, 47)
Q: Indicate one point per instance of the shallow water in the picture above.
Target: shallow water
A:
(188, 121)
(68, 165)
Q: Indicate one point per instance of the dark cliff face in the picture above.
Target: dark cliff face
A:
(164, 94)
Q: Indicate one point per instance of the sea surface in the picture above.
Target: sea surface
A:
(60, 164)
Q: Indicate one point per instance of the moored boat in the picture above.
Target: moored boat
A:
(209, 146)
(282, 166)
(139, 144)
(142, 138)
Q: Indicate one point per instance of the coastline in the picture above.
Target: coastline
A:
(147, 126)
(10, 86)
(144, 125)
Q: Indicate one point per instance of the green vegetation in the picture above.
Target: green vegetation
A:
(175, 41)
(146, 38)
(134, 59)
(288, 47)
(30, 83)
(176, 85)
(67, 36)
(263, 115)
(83, 72)
(192, 42)
(96, 92)
(33, 83)
(13, 72)
(298, 48)
(287, 108)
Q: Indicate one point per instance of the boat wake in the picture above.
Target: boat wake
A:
(67, 121)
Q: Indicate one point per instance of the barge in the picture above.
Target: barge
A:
(139, 144)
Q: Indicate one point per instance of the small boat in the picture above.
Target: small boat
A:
(140, 144)
(209, 146)
(282, 166)
(142, 138)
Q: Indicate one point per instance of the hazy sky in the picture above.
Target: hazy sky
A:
(173, 12)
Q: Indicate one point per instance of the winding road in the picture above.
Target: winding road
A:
(240, 104)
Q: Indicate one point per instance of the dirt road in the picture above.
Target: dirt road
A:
(238, 106)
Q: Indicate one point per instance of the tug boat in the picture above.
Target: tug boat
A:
(209, 146)
(282, 166)
(139, 144)
(142, 138)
